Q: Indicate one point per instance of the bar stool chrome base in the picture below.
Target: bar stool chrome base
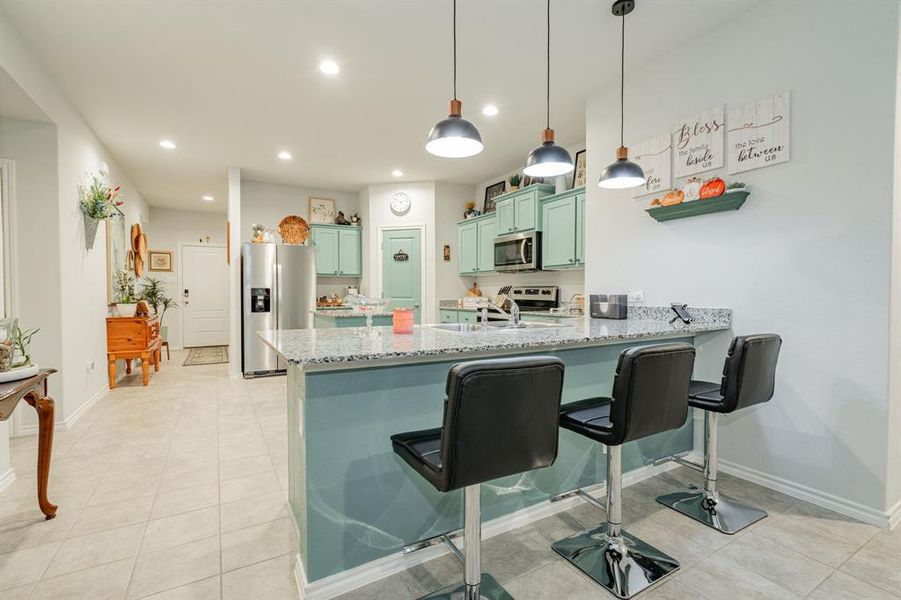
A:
(624, 565)
(488, 589)
(719, 512)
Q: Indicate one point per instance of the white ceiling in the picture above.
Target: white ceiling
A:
(235, 82)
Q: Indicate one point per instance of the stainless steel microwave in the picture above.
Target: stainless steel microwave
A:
(518, 252)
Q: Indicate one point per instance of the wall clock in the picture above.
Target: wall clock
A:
(400, 203)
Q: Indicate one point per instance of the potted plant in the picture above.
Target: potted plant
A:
(99, 201)
(515, 180)
(126, 300)
(22, 342)
(154, 292)
(735, 186)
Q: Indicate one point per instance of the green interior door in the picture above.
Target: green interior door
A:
(402, 269)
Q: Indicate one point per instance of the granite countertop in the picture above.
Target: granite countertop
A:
(324, 346)
(343, 313)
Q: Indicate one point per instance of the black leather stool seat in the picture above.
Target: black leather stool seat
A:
(421, 450)
(705, 395)
(589, 417)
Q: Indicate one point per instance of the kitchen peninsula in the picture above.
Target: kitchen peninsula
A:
(353, 499)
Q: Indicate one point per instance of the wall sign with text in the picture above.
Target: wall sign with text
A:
(698, 142)
(759, 133)
(654, 157)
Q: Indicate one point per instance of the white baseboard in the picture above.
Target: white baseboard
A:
(7, 478)
(894, 515)
(849, 508)
(68, 422)
(346, 581)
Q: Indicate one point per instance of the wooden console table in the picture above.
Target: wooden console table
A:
(129, 338)
(34, 391)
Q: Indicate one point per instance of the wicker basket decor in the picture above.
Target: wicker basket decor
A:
(293, 229)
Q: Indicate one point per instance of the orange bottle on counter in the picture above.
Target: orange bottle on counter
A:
(403, 320)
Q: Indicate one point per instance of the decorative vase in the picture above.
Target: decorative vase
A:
(513, 188)
(164, 332)
(90, 230)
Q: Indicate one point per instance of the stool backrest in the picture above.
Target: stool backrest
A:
(749, 374)
(500, 418)
(650, 391)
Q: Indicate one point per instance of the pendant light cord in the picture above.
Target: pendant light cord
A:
(455, 49)
(548, 103)
(622, 84)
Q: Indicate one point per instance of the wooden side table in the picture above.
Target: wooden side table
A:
(34, 391)
(129, 338)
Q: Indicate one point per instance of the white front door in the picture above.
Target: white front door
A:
(204, 295)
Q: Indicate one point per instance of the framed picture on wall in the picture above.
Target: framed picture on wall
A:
(160, 260)
(580, 174)
(492, 192)
(322, 210)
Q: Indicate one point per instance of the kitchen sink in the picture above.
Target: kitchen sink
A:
(493, 326)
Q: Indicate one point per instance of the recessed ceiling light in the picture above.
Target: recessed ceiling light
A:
(397, 173)
(208, 198)
(489, 110)
(285, 155)
(167, 144)
(329, 67)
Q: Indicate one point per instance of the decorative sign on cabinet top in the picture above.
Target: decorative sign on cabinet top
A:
(698, 142)
(759, 133)
(654, 157)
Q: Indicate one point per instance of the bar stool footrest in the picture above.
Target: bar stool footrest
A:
(489, 589)
(624, 566)
(725, 515)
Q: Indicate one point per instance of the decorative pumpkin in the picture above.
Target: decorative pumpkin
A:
(713, 188)
(692, 189)
(655, 202)
(673, 197)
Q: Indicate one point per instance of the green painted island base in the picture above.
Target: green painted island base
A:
(354, 501)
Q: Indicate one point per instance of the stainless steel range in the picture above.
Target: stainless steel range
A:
(536, 298)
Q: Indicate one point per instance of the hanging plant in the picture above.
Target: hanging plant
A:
(98, 201)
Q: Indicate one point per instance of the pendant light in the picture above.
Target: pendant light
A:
(623, 173)
(454, 137)
(548, 159)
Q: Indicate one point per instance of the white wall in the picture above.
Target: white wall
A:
(166, 230)
(808, 254)
(449, 201)
(378, 215)
(893, 487)
(82, 273)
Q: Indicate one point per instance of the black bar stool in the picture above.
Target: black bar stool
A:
(650, 395)
(501, 418)
(749, 377)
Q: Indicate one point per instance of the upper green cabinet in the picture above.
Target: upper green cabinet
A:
(563, 240)
(339, 250)
(475, 240)
(521, 210)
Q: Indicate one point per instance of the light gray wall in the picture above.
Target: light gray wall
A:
(449, 201)
(806, 257)
(165, 231)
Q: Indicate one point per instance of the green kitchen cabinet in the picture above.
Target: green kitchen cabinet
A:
(475, 242)
(487, 231)
(350, 252)
(520, 210)
(468, 248)
(339, 250)
(563, 240)
(448, 315)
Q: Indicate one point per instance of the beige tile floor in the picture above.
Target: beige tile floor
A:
(176, 492)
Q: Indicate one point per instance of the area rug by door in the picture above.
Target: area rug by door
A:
(211, 355)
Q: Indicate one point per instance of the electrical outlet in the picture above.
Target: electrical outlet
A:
(636, 296)
(89, 366)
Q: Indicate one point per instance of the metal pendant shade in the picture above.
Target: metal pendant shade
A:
(623, 173)
(548, 159)
(454, 137)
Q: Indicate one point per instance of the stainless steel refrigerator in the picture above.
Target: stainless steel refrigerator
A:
(278, 292)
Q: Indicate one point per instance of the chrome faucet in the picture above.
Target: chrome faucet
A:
(513, 318)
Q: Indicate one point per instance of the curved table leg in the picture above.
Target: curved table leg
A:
(45, 408)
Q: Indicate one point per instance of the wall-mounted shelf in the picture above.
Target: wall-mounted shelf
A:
(728, 201)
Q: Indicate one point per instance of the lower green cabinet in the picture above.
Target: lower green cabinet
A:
(563, 219)
(452, 315)
(339, 250)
